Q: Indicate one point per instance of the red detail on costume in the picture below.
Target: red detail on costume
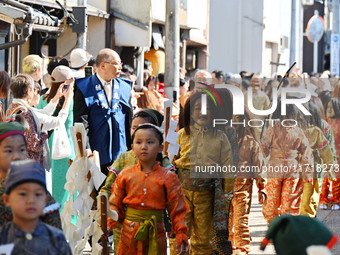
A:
(326, 129)
(111, 169)
(332, 242)
(323, 145)
(264, 243)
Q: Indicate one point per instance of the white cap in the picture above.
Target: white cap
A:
(79, 58)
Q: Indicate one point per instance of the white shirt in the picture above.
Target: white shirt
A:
(42, 117)
(107, 87)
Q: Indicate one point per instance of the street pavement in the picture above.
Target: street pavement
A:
(258, 228)
(332, 220)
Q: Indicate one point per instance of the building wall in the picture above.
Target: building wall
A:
(95, 38)
(96, 35)
(236, 42)
(271, 35)
(138, 10)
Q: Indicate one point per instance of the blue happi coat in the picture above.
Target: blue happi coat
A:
(106, 124)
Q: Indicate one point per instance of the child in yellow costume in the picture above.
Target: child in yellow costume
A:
(323, 159)
(201, 147)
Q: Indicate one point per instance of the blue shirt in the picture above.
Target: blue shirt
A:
(44, 240)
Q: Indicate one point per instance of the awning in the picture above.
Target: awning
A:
(26, 20)
(91, 10)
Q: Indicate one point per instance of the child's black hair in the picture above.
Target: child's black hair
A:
(158, 133)
(292, 112)
(315, 118)
(189, 105)
(146, 116)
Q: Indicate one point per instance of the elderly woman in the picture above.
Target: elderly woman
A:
(25, 94)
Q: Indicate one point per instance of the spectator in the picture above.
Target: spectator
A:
(161, 83)
(148, 67)
(79, 58)
(151, 99)
(5, 82)
(61, 76)
(25, 96)
(201, 76)
(218, 76)
(54, 62)
(92, 63)
(32, 65)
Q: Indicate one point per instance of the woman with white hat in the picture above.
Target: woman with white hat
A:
(79, 59)
(62, 79)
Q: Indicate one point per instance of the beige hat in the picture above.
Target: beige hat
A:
(79, 58)
(61, 74)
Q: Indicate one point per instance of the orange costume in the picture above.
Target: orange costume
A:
(333, 114)
(250, 154)
(290, 154)
(137, 193)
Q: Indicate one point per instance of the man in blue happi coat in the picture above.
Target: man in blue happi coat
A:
(102, 104)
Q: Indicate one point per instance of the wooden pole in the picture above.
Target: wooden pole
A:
(103, 223)
(167, 125)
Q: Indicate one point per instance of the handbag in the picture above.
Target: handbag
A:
(61, 147)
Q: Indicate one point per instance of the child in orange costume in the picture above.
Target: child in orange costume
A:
(290, 156)
(250, 155)
(145, 190)
(333, 115)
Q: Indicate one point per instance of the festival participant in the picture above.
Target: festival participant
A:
(333, 116)
(251, 157)
(201, 146)
(13, 147)
(323, 158)
(26, 195)
(129, 158)
(101, 103)
(260, 99)
(290, 153)
(141, 193)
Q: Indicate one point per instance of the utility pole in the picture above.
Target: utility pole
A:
(292, 57)
(171, 76)
(336, 18)
(81, 36)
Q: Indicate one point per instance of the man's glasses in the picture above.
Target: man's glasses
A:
(115, 64)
